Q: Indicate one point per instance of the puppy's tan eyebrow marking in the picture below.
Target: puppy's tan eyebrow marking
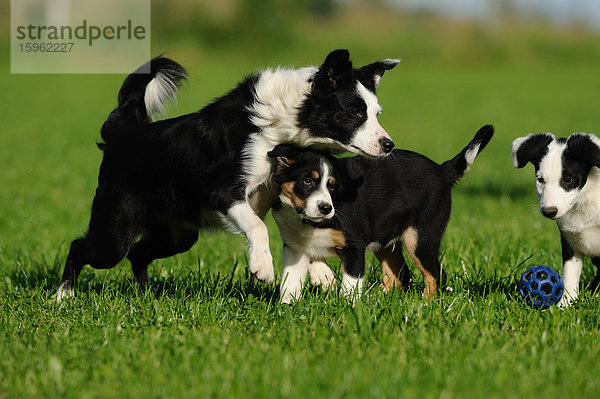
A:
(315, 175)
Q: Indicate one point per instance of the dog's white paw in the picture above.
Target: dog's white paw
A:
(64, 291)
(569, 296)
(288, 297)
(351, 287)
(321, 275)
(564, 302)
(260, 262)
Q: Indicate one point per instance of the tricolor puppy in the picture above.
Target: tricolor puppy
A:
(160, 182)
(568, 188)
(347, 206)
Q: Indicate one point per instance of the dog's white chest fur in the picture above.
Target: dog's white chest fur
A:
(315, 242)
(581, 225)
(586, 241)
(279, 94)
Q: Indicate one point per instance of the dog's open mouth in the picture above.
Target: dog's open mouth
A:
(358, 151)
(361, 152)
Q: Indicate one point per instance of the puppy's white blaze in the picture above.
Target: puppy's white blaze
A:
(159, 92)
(470, 156)
(319, 196)
(367, 137)
(550, 193)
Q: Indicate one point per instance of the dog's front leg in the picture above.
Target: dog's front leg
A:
(353, 264)
(295, 267)
(572, 265)
(260, 260)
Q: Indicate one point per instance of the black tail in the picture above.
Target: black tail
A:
(457, 166)
(143, 95)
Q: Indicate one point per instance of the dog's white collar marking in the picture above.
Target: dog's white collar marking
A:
(278, 96)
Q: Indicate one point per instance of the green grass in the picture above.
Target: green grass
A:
(210, 330)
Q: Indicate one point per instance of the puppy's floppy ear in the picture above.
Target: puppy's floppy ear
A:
(373, 72)
(530, 148)
(347, 183)
(335, 71)
(285, 155)
(585, 148)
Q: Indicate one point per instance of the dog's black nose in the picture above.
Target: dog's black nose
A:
(325, 208)
(386, 144)
(549, 211)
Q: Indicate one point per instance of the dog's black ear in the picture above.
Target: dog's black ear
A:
(285, 155)
(335, 71)
(585, 148)
(347, 181)
(530, 148)
(347, 188)
(372, 73)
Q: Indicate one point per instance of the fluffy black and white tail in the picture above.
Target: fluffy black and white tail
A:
(143, 95)
(460, 164)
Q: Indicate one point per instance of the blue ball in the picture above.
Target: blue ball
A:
(541, 286)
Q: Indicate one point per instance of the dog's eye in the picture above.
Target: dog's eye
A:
(308, 181)
(331, 187)
(540, 180)
(567, 180)
(356, 112)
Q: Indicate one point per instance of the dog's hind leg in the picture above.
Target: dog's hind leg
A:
(395, 270)
(425, 254)
(113, 226)
(73, 266)
(159, 242)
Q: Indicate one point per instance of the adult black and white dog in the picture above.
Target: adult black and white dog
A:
(568, 188)
(347, 206)
(160, 182)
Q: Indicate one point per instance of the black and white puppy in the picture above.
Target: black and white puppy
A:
(347, 206)
(160, 182)
(568, 188)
